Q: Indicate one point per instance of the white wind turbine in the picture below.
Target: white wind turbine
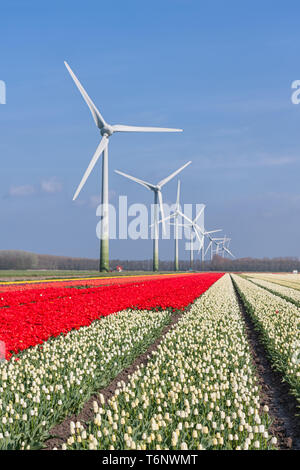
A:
(203, 244)
(210, 246)
(175, 215)
(193, 226)
(228, 240)
(220, 245)
(156, 188)
(106, 131)
(225, 249)
(203, 250)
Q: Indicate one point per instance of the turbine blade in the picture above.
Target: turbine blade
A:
(164, 220)
(121, 128)
(172, 175)
(201, 245)
(161, 207)
(213, 231)
(185, 217)
(208, 247)
(99, 120)
(103, 144)
(198, 236)
(201, 240)
(137, 180)
(178, 195)
(199, 213)
(229, 252)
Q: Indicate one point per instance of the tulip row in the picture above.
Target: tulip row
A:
(279, 323)
(26, 325)
(287, 293)
(286, 280)
(198, 390)
(21, 286)
(10, 293)
(33, 293)
(51, 381)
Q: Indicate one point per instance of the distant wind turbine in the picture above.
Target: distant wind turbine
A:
(220, 244)
(225, 249)
(194, 227)
(175, 215)
(203, 251)
(156, 188)
(106, 131)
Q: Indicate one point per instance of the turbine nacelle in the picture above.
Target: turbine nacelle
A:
(107, 130)
(156, 188)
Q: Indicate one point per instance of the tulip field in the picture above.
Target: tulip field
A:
(64, 342)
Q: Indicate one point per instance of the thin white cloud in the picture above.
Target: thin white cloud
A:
(229, 132)
(51, 186)
(243, 161)
(277, 161)
(21, 191)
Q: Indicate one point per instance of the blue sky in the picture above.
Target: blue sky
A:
(220, 70)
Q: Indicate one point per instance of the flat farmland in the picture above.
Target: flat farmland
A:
(174, 361)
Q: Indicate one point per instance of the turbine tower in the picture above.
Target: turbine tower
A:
(175, 215)
(106, 131)
(156, 188)
(194, 227)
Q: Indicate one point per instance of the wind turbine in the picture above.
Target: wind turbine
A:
(106, 130)
(156, 188)
(203, 244)
(226, 248)
(212, 242)
(175, 215)
(203, 250)
(204, 234)
(194, 228)
(209, 246)
(220, 244)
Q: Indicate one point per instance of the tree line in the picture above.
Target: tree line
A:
(16, 259)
